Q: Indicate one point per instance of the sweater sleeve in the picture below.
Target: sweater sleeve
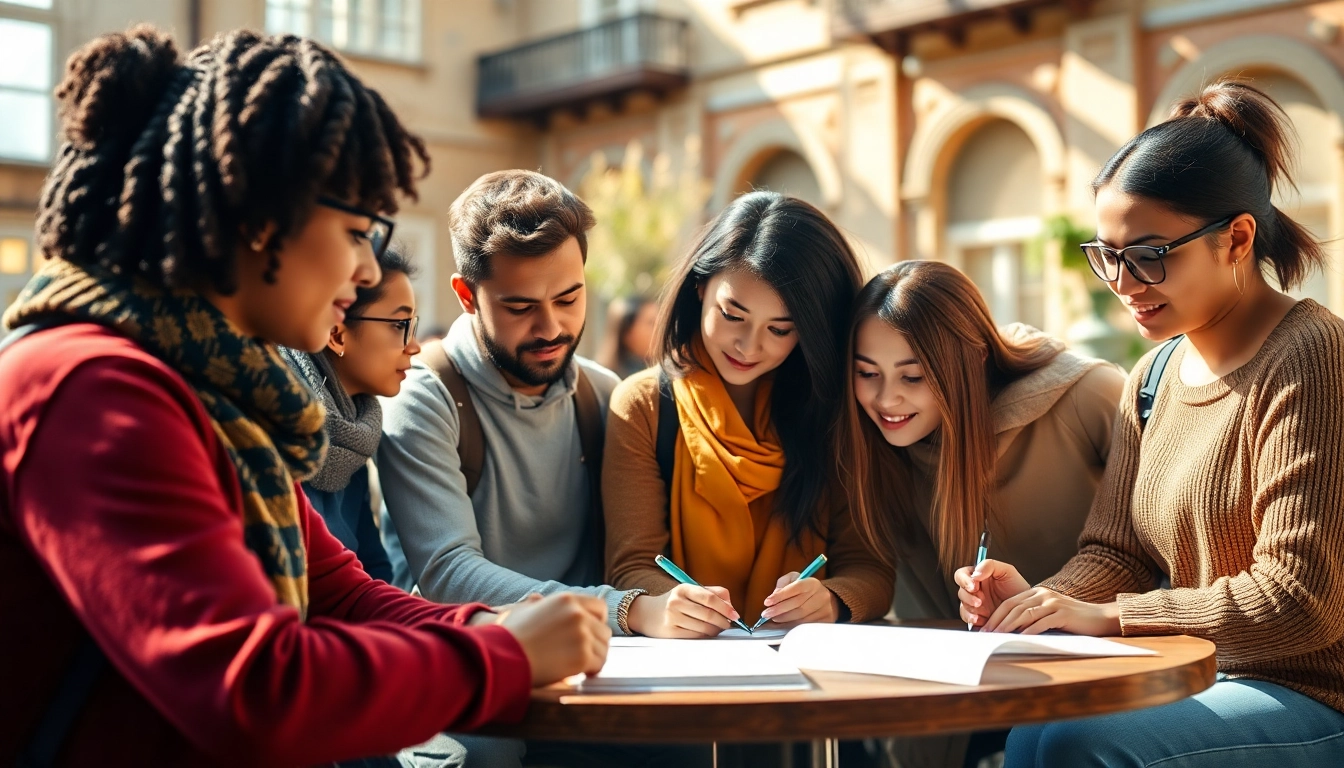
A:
(862, 581)
(1111, 559)
(1291, 599)
(634, 496)
(426, 497)
(118, 496)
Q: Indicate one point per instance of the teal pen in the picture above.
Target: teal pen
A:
(807, 573)
(680, 575)
(981, 555)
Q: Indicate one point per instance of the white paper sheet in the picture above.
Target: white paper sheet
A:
(940, 655)
(694, 665)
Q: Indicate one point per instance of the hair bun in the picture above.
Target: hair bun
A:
(1251, 115)
(112, 84)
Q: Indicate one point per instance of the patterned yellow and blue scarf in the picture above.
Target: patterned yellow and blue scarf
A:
(267, 419)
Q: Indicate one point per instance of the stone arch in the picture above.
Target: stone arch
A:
(935, 133)
(747, 154)
(1293, 57)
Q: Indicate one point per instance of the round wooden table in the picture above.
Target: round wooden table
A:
(846, 706)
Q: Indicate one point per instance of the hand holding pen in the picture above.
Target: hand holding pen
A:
(692, 610)
(798, 601)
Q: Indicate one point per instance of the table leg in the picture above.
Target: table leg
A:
(714, 751)
(826, 753)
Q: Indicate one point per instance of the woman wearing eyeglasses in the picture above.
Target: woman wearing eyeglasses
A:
(1233, 488)
(366, 357)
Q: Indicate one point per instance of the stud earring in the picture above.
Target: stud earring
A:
(341, 353)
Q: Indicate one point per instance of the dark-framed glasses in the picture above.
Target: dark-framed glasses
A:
(1144, 262)
(379, 233)
(406, 325)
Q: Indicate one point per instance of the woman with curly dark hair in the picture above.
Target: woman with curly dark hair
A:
(170, 596)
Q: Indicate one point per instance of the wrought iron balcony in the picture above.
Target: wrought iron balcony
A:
(880, 17)
(642, 52)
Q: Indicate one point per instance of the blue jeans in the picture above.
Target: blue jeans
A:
(1234, 724)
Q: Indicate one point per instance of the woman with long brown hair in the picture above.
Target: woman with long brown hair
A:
(955, 427)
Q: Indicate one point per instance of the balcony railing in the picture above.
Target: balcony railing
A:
(870, 17)
(642, 52)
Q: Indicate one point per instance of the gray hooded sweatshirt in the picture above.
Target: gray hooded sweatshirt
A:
(524, 528)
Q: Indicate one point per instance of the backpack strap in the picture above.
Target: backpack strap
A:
(88, 662)
(470, 436)
(1151, 380)
(588, 417)
(669, 426)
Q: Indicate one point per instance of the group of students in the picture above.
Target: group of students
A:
(220, 276)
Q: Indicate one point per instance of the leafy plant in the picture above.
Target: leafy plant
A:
(643, 216)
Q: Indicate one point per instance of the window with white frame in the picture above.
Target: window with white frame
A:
(384, 28)
(26, 72)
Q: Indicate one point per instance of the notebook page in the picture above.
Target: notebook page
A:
(937, 655)
(695, 665)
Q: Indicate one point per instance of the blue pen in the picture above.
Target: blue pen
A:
(807, 573)
(680, 575)
(981, 555)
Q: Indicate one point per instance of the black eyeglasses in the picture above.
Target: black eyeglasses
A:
(406, 325)
(1144, 262)
(379, 233)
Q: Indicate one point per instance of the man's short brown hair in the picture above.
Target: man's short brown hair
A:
(519, 213)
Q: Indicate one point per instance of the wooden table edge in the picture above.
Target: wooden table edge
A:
(957, 710)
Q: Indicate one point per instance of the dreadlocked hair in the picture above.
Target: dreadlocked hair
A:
(166, 165)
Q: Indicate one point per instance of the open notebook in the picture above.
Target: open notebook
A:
(940, 655)
(736, 636)
(692, 665)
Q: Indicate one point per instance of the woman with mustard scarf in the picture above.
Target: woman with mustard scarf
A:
(739, 488)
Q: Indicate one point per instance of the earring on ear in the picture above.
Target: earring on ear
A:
(341, 353)
(1235, 278)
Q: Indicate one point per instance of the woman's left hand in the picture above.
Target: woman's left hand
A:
(1039, 609)
(797, 602)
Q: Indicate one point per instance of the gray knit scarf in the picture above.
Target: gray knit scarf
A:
(353, 425)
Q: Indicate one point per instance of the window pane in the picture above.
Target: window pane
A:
(25, 54)
(28, 3)
(13, 256)
(288, 16)
(25, 132)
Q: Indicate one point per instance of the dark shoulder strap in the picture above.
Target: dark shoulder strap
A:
(669, 426)
(1151, 380)
(470, 437)
(588, 416)
(88, 662)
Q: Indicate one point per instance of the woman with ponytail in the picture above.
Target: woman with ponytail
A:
(170, 596)
(1232, 485)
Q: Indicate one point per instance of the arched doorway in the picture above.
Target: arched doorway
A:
(994, 207)
(789, 173)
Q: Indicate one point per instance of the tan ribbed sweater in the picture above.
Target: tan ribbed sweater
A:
(635, 502)
(1235, 490)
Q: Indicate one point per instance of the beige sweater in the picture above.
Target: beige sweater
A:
(635, 499)
(1053, 428)
(1235, 490)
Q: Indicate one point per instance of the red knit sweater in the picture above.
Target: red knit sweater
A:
(114, 517)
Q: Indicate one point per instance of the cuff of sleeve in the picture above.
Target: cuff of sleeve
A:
(1147, 613)
(461, 614)
(509, 686)
(614, 598)
(851, 602)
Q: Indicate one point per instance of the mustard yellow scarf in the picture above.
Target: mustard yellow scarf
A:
(724, 479)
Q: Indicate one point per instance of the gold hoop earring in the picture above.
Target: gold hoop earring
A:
(1241, 291)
